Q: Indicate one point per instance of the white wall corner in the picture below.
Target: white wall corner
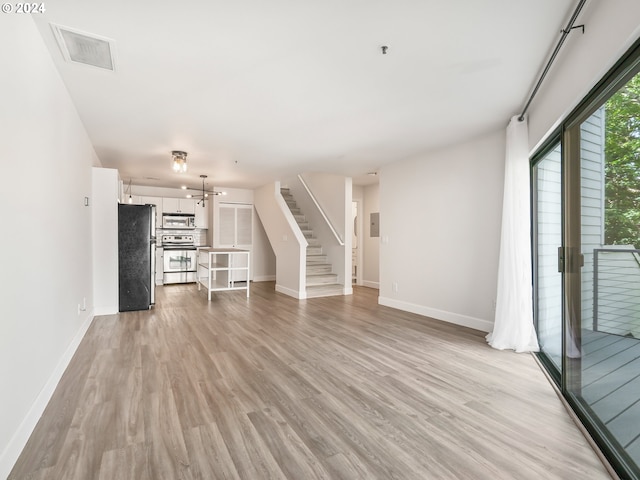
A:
(108, 310)
(300, 295)
(264, 278)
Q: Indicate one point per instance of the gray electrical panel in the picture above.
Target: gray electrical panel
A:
(374, 227)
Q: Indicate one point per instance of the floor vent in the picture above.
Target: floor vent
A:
(85, 48)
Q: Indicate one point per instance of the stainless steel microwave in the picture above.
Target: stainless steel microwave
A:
(178, 220)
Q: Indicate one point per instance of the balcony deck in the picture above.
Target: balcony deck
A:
(611, 385)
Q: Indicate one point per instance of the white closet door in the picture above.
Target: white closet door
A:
(227, 226)
(243, 226)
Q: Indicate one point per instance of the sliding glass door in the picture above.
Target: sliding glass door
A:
(586, 208)
(548, 214)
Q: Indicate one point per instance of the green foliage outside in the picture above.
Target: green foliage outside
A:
(622, 166)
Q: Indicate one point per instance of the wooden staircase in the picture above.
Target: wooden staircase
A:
(321, 281)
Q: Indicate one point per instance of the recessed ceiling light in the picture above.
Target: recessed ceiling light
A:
(184, 187)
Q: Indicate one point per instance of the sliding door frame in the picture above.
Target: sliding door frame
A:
(549, 145)
(570, 256)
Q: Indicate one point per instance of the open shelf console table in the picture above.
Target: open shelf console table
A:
(223, 269)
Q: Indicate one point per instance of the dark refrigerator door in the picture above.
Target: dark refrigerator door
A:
(134, 257)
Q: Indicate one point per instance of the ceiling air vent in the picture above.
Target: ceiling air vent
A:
(85, 48)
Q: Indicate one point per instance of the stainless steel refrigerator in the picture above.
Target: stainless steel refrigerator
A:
(136, 257)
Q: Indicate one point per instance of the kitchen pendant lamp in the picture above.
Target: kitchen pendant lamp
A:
(129, 190)
(205, 193)
(179, 161)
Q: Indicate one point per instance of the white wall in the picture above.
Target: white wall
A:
(286, 239)
(440, 217)
(371, 257)
(330, 192)
(46, 233)
(610, 29)
(264, 260)
(104, 205)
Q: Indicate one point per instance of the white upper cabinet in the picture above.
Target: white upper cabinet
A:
(202, 215)
(178, 205)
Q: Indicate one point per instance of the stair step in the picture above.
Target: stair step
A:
(328, 290)
(319, 268)
(321, 279)
(316, 259)
(313, 242)
(307, 233)
(300, 218)
(295, 211)
(313, 250)
(304, 225)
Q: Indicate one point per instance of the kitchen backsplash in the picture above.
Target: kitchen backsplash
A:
(199, 235)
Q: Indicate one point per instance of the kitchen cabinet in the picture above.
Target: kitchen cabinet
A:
(202, 216)
(159, 265)
(223, 269)
(178, 205)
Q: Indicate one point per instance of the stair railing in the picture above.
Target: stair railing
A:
(320, 209)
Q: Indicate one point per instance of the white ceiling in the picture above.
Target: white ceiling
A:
(255, 90)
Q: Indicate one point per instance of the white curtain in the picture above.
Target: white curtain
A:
(513, 326)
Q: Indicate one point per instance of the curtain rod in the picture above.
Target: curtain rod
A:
(564, 32)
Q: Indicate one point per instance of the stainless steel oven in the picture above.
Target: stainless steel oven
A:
(180, 259)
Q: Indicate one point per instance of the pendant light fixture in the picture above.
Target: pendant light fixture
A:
(129, 189)
(179, 161)
(205, 193)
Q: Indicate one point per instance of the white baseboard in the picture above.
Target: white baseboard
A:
(264, 278)
(291, 292)
(455, 318)
(347, 290)
(17, 443)
(369, 284)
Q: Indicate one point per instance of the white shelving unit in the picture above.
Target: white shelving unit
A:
(217, 268)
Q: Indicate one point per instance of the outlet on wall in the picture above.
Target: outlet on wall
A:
(394, 287)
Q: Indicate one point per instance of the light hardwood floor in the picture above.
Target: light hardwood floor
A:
(271, 387)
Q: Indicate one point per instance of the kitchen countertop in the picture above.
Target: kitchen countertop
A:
(220, 250)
